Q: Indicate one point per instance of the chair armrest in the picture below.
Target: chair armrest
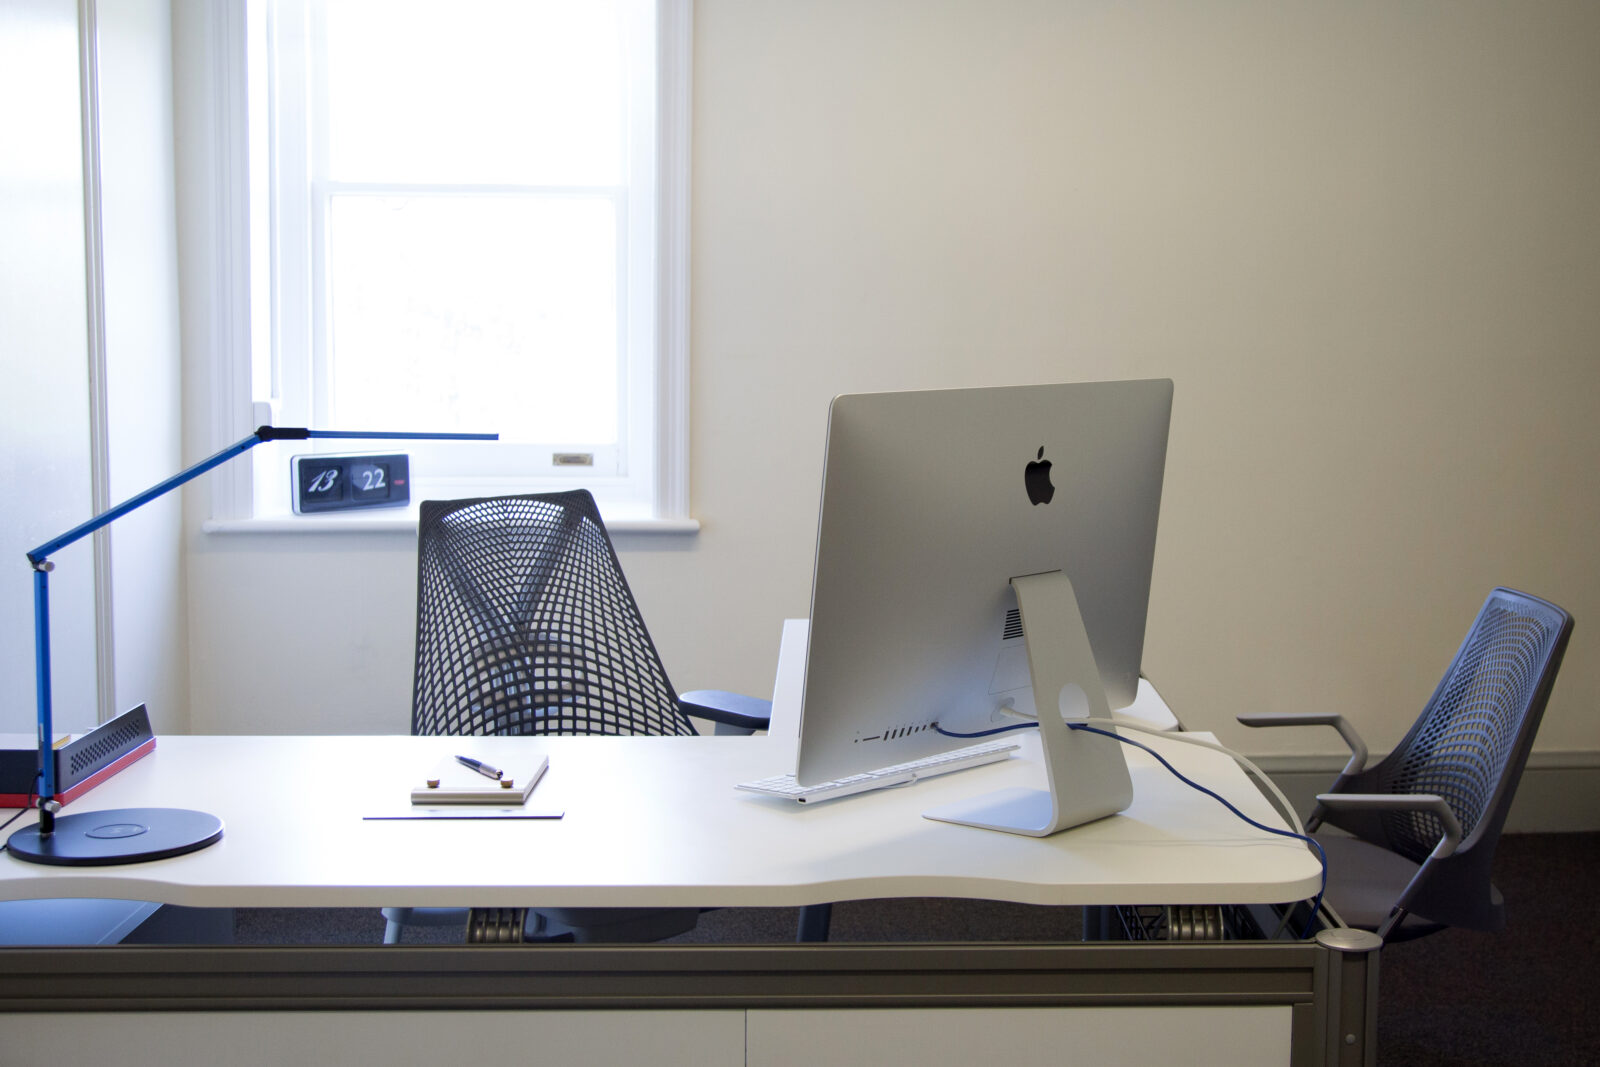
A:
(1431, 803)
(741, 713)
(1347, 730)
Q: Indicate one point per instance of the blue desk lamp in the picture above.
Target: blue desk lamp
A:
(130, 835)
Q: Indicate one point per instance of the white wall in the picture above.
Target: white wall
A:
(45, 338)
(44, 400)
(1361, 237)
(145, 424)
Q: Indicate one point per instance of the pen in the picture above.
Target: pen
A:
(481, 767)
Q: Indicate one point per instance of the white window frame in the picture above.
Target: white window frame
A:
(253, 495)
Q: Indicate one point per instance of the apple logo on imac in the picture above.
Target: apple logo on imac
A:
(1037, 479)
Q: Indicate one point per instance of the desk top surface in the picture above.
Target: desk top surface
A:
(657, 821)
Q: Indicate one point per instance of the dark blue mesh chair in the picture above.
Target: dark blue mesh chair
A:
(1425, 820)
(526, 625)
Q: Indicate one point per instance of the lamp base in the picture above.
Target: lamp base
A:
(117, 835)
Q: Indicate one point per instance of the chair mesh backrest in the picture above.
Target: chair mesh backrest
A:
(1461, 744)
(526, 625)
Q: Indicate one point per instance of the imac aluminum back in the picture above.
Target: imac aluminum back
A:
(932, 501)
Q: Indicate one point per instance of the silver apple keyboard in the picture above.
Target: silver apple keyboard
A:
(958, 759)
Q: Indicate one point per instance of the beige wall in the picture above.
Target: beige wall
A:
(1362, 238)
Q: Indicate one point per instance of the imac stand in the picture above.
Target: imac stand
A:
(1085, 774)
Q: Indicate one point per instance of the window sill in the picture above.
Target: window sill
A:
(404, 522)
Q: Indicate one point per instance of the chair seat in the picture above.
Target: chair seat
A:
(1365, 880)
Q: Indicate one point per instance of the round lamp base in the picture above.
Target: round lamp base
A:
(117, 835)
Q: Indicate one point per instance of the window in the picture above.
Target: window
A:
(470, 216)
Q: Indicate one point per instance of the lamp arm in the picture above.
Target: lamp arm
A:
(105, 518)
(39, 558)
(262, 433)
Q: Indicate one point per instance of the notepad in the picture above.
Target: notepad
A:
(462, 785)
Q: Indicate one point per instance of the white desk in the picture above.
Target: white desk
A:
(656, 821)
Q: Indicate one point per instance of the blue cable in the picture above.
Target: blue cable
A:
(1322, 857)
(989, 733)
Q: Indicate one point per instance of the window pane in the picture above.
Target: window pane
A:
(460, 313)
(501, 91)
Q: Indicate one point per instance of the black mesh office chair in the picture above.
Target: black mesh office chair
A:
(526, 625)
(1426, 818)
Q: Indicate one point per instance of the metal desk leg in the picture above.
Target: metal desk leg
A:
(1350, 1027)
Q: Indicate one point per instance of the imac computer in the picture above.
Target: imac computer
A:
(984, 553)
